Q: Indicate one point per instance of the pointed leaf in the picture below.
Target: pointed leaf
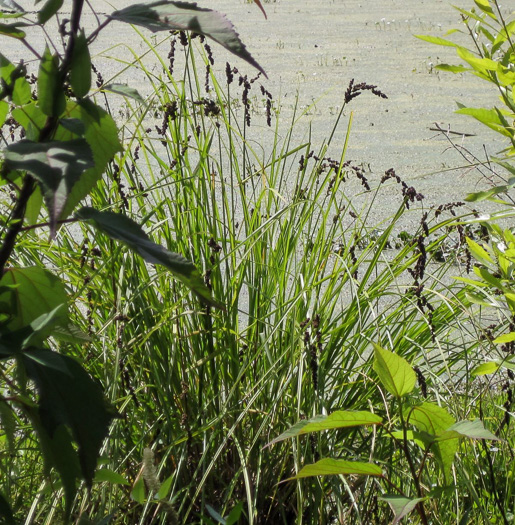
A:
(394, 372)
(125, 91)
(183, 16)
(470, 429)
(80, 74)
(57, 166)
(14, 83)
(102, 136)
(339, 419)
(51, 97)
(235, 514)
(451, 69)
(478, 252)
(109, 476)
(12, 30)
(73, 399)
(401, 506)
(122, 228)
(260, 5)
(5, 511)
(31, 293)
(505, 338)
(485, 368)
(436, 40)
(138, 491)
(49, 10)
(331, 467)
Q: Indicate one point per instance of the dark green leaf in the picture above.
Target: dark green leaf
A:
(138, 491)
(5, 511)
(43, 326)
(338, 419)
(107, 475)
(80, 74)
(12, 30)
(57, 166)
(49, 10)
(8, 425)
(15, 86)
(73, 399)
(401, 506)
(235, 514)
(452, 69)
(124, 90)
(123, 229)
(74, 125)
(31, 118)
(101, 135)
(186, 16)
(394, 372)
(32, 292)
(51, 97)
(331, 467)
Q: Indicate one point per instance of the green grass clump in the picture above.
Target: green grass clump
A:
(285, 240)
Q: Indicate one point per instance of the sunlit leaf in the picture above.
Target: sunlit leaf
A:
(331, 467)
(109, 476)
(469, 429)
(478, 252)
(14, 83)
(394, 372)
(452, 69)
(121, 228)
(436, 40)
(485, 368)
(124, 90)
(51, 97)
(31, 292)
(186, 16)
(339, 419)
(401, 506)
(505, 338)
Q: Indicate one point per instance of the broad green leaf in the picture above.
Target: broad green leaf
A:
(478, 252)
(503, 34)
(485, 368)
(125, 91)
(436, 40)
(51, 97)
(14, 83)
(12, 30)
(186, 16)
(43, 326)
(57, 166)
(102, 136)
(80, 74)
(49, 10)
(4, 109)
(33, 292)
(484, 274)
(235, 514)
(469, 429)
(121, 228)
(395, 373)
(484, 195)
(505, 75)
(138, 491)
(422, 439)
(505, 338)
(434, 420)
(331, 467)
(109, 476)
(400, 505)
(6, 512)
(164, 489)
(485, 6)
(483, 65)
(452, 69)
(339, 419)
(73, 399)
(74, 125)
(31, 118)
(488, 117)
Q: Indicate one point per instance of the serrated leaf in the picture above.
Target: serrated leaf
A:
(80, 73)
(51, 97)
(485, 368)
(72, 399)
(31, 293)
(395, 373)
(339, 419)
(125, 91)
(49, 10)
(102, 136)
(400, 506)
(121, 228)
(109, 476)
(57, 166)
(332, 467)
(469, 429)
(186, 16)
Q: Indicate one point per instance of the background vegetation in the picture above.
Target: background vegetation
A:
(307, 365)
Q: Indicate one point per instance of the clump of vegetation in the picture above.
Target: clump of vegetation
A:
(126, 399)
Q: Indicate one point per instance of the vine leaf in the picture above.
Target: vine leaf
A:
(185, 16)
(57, 166)
(121, 228)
